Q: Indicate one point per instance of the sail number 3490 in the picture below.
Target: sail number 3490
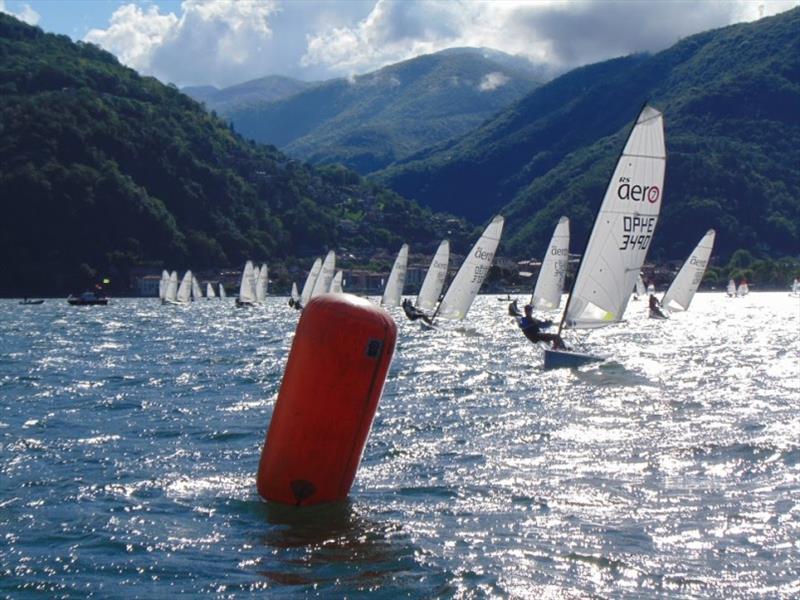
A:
(637, 232)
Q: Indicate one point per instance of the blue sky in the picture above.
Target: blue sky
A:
(223, 42)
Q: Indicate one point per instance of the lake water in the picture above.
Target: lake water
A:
(130, 437)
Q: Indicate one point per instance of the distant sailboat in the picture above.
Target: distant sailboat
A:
(196, 292)
(620, 237)
(222, 293)
(171, 291)
(795, 287)
(162, 285)
(336, 284)
(550, 283)
(434, 280)
(295, 295)
(308, 286)
(731, 290)
(323, 282)
(639, 289)
(743, 289)
(210, 291)
(680, 293)
(397, 279)
(651, 288)
(465, 285)
(261, 284)
(184, 295)
(247, 287)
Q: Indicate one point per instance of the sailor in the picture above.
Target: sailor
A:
(532, 328)
(513, 310)
(655, 307)
(413, 313)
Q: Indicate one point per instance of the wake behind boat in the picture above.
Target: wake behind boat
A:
(620, 238)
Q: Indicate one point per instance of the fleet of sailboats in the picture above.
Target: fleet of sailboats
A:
(620, 237)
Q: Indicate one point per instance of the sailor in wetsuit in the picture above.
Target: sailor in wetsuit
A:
(532, 328)
(413, 313)
(655, 308)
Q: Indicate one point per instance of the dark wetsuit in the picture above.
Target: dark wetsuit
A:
(513, 310)
(532, 328)
(655, 307)
(413, 313)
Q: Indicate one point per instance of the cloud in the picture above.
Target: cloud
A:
(492, 81)
(212, 41)
(558, 34)
(26, 13)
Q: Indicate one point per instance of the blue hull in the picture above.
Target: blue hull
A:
(557, 359)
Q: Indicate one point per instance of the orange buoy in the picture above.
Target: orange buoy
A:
(330, 390)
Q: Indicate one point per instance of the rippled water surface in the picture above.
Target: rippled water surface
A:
(130, 436)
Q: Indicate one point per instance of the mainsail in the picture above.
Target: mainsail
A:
(210, 291)
(641, 290)
(248, 284)
(171, 293)
(196, 292)
(434, 279)
(731, 287)
(323, 283)
(261, 284)
(336, 284)
(162, 285)
(397, 279)
(222, 293)
(682, 290)
(550, 283)
(295, 293)
(470, 276)
(623, 229)
(185, 289)
(308, 286)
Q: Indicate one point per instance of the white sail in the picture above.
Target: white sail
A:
(623, 228)
(222, 293)
(550, 283)
(640, 288)
(295, 293)
(393, 291)
(683, 287)
(796, 286)
(470, 276)
(323, 283)
(248, 284)
(261, 284)
(336, 284)
(434, 279)
(210, 291)
(743, 289)
(311, 280)
(162, 285)
(731, 287)
(197, 293)
(185, 289)
(171, 293)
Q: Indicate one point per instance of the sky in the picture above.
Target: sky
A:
(224, 42)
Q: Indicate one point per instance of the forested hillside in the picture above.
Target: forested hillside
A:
(731, 101)
(102, 170)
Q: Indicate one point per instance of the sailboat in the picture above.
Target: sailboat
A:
(261, 284)
(162, 285)
(620, 237)
(308, 286)
(434, 279)
(393, 291)
(679, 295)
(639, 289)
(196, 292)
(795, 287)
(171, 290)
(550, 283)
(731, 290)
(247, 287)
(210, 291)
(222, 293)
(323, 282)
(743, 289)
(470, 276)
(184, 295)
(336, 284)
(295, 296)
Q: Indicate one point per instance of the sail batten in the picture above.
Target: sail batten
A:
(623, 229)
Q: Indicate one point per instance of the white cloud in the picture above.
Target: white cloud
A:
(212, 41)
(492, 81)
(559, 34)
(26, 13)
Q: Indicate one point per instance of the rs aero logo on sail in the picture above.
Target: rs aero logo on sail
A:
(638, 193)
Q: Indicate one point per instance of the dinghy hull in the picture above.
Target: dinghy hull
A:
(559, 359)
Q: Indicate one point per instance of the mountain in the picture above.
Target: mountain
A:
(264, 89)
(730, 99)
(372, 120)
(103, 171)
